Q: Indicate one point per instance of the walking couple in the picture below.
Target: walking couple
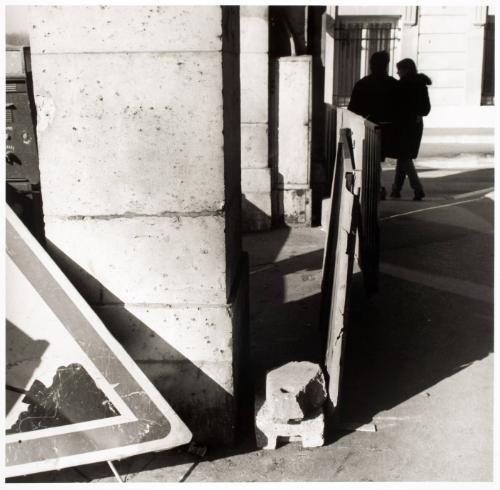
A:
(383, 99)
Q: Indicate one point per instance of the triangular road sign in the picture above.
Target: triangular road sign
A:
(74, 396)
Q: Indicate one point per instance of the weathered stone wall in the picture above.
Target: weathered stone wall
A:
(139, 140)
(256, 175)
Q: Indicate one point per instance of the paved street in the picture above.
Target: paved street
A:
(418, 376)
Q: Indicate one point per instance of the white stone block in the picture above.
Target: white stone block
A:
(254, 145)
(147, 259)
(256, 180)
(106, 29)
(276, 415)
(141, 144)
(254, 87)
(254, 29)
(294, 152)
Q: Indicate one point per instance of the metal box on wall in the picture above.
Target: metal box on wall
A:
(22, 170)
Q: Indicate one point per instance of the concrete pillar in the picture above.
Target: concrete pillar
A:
(255, 171)
(139, 139)
(294, 139)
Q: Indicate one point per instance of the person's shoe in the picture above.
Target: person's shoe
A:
(395, 194)
(419, 195)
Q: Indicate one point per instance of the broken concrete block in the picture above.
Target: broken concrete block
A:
(267, 430)
(295, 391)
(288, 404)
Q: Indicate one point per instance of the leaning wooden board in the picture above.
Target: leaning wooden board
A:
(74, 396)
(339, 261)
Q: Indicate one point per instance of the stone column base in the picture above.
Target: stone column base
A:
(294, 206)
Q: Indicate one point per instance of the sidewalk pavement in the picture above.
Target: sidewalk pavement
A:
(462, 161)
(418, 372)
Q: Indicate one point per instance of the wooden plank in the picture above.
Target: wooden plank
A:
(331, 241)
(343, 230)
(74, 395)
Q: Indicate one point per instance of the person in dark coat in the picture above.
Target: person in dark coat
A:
(373, 97)
(413, 103)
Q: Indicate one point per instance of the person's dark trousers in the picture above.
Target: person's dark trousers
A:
(404, 167)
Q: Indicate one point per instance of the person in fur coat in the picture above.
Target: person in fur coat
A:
(412, 101)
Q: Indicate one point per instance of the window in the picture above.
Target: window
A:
(355, 42)
(488, 86)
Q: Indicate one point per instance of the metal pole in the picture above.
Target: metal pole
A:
(113, 469)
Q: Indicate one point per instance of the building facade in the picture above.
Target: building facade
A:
(453, 45)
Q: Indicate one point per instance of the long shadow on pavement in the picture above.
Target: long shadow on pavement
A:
(432, 317)
(414, 333)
